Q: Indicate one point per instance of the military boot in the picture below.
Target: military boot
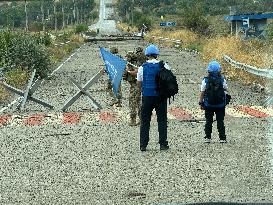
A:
(114, 102)
(138, 121)
(118, 104)
(132, 121)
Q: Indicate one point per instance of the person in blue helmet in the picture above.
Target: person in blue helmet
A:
(213, 100)
(151, 100)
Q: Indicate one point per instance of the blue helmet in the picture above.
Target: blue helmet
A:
(214, 66)
(151, 50)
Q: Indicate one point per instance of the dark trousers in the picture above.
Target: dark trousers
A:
(160, 105)
(220, 114)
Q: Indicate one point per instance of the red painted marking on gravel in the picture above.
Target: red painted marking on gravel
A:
(108, 117)
(252, 112)
(34, 120)
(4, 120)
(71, 118)
(180, 114)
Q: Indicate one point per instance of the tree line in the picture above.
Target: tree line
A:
(193, 14)
(215, 7)
(41, 15)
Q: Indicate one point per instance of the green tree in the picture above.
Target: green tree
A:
(41, 12)
(141, 19)
(195, 20)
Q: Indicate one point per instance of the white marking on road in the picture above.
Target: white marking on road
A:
(65, 61)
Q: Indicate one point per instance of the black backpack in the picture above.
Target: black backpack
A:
(215, 93)
(166, 82)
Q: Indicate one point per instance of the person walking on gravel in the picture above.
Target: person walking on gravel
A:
(213, 100)
(151, 100)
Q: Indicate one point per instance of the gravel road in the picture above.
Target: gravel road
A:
(100, 162)
(106, 24)
(96, 161)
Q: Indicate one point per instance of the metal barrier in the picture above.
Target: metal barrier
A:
(266, 73)
(251, 69)
(83, 91)
(27, 94)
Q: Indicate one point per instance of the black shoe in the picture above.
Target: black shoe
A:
(164, 147)
(142, 149)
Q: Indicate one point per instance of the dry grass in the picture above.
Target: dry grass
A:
(124, 27)
(3, 94)
(16, 78)
(253, 52)
(19, 78)
(187, 37)
(248, 52)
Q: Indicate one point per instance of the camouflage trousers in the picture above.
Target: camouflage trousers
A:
(134, 101)
(111, 92)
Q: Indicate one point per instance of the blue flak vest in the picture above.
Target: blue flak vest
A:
(149, 86)
(217, 106)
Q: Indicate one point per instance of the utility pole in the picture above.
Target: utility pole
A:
(133, 14)
(63, 15)
(74, 11)
(55, 14)
(26, 28)
(43, 14)
(67, 19)
(78, 14)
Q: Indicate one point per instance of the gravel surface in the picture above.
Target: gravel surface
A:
(100, 162)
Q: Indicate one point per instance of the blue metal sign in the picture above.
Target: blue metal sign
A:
(167, 23)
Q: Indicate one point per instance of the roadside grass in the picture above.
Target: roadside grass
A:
(61, 51)
(18, 77)
(250, 52)
(124, 27)
(185, 36)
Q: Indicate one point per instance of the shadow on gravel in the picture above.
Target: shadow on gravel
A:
(221, 203)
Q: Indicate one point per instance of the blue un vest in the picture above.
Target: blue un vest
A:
(149, 87)
(206, 104)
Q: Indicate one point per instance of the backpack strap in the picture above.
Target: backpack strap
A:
(161, 64)
(206, 81)
(222, 79)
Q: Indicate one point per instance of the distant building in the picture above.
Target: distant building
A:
(250, 25)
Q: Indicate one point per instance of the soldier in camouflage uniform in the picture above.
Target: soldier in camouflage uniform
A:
(137, 59)
(141, 58)
(116, 100)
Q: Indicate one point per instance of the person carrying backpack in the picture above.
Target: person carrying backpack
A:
(213, 100)
(146, 81)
